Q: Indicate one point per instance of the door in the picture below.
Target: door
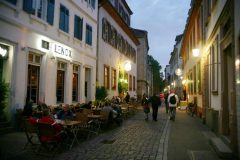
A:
(33, 83)
(228, 80)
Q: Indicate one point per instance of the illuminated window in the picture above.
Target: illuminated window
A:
(75, 83)
(60, 82)
(106, 77)
(130, 82)
(34, 62)
(134, 87)
(114, 79)
(195, 80)
(199, 82)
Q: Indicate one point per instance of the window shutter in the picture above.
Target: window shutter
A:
(67, 19)
(90, 35)
(27, 6)
(81, 28)
(76, 25)
(50, 11)
(93, 4)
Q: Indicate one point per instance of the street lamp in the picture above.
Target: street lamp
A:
(178, 72)
(127, 66)
(195, 52)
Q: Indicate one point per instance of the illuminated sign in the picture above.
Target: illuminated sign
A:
(62, 52)
(3, 51)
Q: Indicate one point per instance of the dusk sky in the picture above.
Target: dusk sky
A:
(163, 20)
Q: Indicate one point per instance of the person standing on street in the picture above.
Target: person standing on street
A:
(166, 101)
(155, 103)
(127, 98)
(172, 104)
(146, 108)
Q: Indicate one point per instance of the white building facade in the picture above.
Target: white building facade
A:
(51, 51)
(117, 48)
(176, 67)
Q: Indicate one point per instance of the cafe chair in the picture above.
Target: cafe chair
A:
(86, 124)
(30, 132)
(49, 137)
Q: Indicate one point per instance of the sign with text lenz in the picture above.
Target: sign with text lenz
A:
(62, 51)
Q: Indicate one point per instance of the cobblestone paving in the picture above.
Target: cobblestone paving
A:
(136, 139)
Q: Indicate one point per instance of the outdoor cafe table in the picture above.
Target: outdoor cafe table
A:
(73, 127)
(94, 117)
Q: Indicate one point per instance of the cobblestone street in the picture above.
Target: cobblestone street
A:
(135, 139)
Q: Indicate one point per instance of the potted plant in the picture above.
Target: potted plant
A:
(3, 97)
(101, 93)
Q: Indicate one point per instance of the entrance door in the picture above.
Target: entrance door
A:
(228, 80)
(88, 84)
(33, 83)
(60, 86)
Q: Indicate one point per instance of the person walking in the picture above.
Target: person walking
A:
(155, 103)
(172, 103)
(127, 98)
(146, 108)
(166, 101)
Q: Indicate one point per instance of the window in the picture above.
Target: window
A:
(43, 9)
(104, 29)
(114, 79)
(14, 2)
(64, 19)
(106, 76)
(214, 65)
(190, 83)
(88, 34)
(199, 83)
(75, 83)
(134, 87)
(93, 2)
(60, 82)
(130, 82)
(78, 27)
(195, 80)
(34, 62)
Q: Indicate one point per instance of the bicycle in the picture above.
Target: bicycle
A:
(191, 109)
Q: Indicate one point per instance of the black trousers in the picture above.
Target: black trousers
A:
(154, 112)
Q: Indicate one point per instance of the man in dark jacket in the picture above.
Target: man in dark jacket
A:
(155, 103)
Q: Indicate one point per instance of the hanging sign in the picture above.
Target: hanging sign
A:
(4, 51)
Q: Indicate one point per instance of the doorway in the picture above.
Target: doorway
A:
(228, 90)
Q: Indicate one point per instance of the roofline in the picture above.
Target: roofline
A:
(127, 7)
(115, 15)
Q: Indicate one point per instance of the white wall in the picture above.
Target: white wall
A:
(111, 56)
(26, 32)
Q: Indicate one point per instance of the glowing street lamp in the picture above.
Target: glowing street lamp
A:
(127, 66)
(195, 52)
(178, 72)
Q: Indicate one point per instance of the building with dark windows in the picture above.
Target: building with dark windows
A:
(175, 64)
(48, 51)
(117, 49)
